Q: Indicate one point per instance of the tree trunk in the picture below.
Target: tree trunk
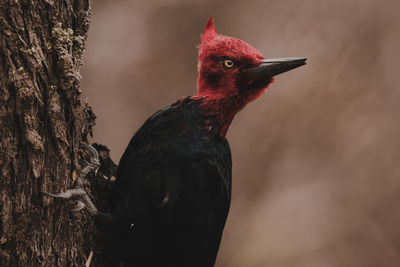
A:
(42, 123)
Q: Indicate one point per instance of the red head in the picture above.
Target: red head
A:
(222, 59)
(231, 70)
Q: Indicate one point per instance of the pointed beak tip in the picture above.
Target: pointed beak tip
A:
(304, 60)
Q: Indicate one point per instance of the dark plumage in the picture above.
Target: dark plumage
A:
(173, 184)
(174, 187)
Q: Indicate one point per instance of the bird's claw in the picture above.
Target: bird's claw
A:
(92, 165)
(79, 206)
(63, 195)
(78, 193)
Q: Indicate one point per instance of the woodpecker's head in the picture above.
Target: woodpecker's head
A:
(231, 68)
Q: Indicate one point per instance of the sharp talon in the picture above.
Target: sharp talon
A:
(69, 194)
(78, 192)
(64, 195)
(94, 163)
(80, 195)
(79, 206)
(92, 150)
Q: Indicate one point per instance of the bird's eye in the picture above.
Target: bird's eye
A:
(228, 63)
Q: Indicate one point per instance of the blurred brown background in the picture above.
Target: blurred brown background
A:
(315, 160)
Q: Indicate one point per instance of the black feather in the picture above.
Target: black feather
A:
(172, 192)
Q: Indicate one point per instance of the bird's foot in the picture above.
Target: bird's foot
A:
(78, 192)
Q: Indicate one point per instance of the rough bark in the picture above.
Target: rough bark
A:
(42, 123)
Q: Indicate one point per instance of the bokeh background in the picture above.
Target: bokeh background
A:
(316, 171)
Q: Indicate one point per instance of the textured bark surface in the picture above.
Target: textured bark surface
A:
(42, 123)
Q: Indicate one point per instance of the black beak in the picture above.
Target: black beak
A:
(272, 67)
(261, 75)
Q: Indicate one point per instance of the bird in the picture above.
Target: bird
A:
(173, 186)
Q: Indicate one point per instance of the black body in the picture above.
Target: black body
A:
(172, 192)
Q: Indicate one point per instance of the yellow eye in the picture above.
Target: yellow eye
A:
(228, 63)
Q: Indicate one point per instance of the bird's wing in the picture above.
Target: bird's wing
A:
(175, 210)
(175, 188)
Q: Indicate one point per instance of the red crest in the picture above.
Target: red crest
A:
(209, 31)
